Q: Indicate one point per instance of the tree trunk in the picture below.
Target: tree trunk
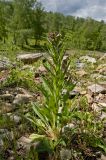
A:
(26, 41)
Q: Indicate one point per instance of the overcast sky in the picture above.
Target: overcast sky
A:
(81, 8)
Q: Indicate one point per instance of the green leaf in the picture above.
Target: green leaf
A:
(33, 137)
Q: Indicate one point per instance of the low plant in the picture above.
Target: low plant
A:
(86, 135)
(22, 78)
(54, 114)
(52, 119)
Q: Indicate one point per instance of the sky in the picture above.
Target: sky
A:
(79, 8)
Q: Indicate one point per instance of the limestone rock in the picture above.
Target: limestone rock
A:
(103, 116)
(41, 69)
(95, 107)
(22, 99)
(15, 118)
(19, 90)
(6, 107)
(101, 98)
(81, 73)
(102, 69)
(65, 154)
(97, 76)
(29, 58)
(95, 88)
(4, 75)
(103, 157)
(73, 93)
(103, 105)
(4, 63)
(89, 98)
(88, 59)
(26, 143)
(80, 65)
(83, 92)
(7, 97)
(68, 127)
(28, 67)
(103, 57)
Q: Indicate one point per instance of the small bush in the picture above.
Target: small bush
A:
(21, 78)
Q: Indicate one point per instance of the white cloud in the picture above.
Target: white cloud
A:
(81, 8)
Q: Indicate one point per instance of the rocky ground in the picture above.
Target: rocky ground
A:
(90, 74)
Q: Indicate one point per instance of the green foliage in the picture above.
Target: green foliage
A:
(48, 117)
(26, 20)
(86, 135)
(51, 120)
(38, 23)
(19, 77)
(3, 29)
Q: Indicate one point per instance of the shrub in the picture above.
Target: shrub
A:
(22, 78)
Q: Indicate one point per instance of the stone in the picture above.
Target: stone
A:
(19, 90)
(4, 63)
(97, 76)
(41, 69)
(89, 98)
(11, 158)
(64, 91)
(103, 157)
(6, 107)
(7, 97)
(83, 92)
(96, 89)
(29, 57)
(22, 99)
(68, 127)
(4, 75)
(88, 59)
(2, 131)
(65, 61)
(26, 143)
(80, 65)
(102, 69)
(25, 140)
(95, 107)
(103, 116)
(74, 93)
(38, 80)
(65, 154)
(28, 67)
(103, 57)
(103, 105)
(81, 73)
(101, 98)
(101, 66)
(15, 118)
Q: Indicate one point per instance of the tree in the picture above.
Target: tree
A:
(38, 22)
(22, 20)
(3, 29)
(103, 38)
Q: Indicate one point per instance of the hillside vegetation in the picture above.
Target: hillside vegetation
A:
(52, 84)
(24, 22)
